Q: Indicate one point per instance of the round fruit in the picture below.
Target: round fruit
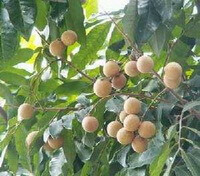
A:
(147, 129)
(56, 143)
(122, 116)
(25, 111)
(132, 106)
(57, 48)
(47, 147)
(90, 124)
(69, 37)
(30, 137)
(130, 69)
(139, 144)
(111, 68)
(102, 87)
(145, 64)
(118, 82)
(173, 70)
(124, 137)
(171, 83)
(113, 127)
(131, 122)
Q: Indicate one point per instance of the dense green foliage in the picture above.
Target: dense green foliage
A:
(168, 30)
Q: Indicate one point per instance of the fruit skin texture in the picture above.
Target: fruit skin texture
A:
(47, 147)
(25, 111)
(113, 127)
(69, 37)
(30, 137)
(145, 64)
(130, 69)
(102, 87)
(56, 143)
(111, 68)
(171, 83)
(124, 137)
(147, 129)
(139, 144)
(122, 116)
(132, 106)
(131, 122)
(90, 124)
(118, 82)
(57, 48)
(173, 70)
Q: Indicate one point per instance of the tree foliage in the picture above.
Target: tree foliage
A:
(60, 90)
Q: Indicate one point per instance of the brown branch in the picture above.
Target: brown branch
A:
(56, 109)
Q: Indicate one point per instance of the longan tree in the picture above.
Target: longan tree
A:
(87, 92)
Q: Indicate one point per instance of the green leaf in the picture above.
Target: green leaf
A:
(157, 165)
(130, 171)
(11, 78)
(181, 171)
(55, 128)
(115, 104)
(130, 19)
(192, 161)
(41, 20)
(75, 20)
(91, 7)
(22, 14)
(12, 158)
(158, 39)
(6, 93)
(191, 105)
(95, 40)
(9, 39)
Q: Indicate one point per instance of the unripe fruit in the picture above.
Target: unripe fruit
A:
(139, 144)
(132, 106)
(56, 143)
(30, 137)
(69, 37)
(145, 64)
(102, 87)
(173, 70)
(25, 111)
(90, 124)
(122, 116)
(130, 69)
(57, 48)
(47, 147)
(113, 127)
(131, 122)
(171, 83)
(118, 82)
(124, 137)
(147, 129)
(111, 68)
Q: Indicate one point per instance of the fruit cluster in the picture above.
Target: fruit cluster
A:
(173, 75)
(58, 46)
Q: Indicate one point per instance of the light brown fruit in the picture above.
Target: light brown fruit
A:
(173, 70)
(25, 111)
(124, 137)
(147, 129)
(69, 37)
(111, 68)
(57, 48)
(47, 147)
(122, 116)
(56, 143)
(132, 106)
(130, 69)
(171, 83)
(102, 87)
(30, 137)
(145, 64)
(113, 127)
(131, 122)
(90, 124)
(139, 144)
(118, 82)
